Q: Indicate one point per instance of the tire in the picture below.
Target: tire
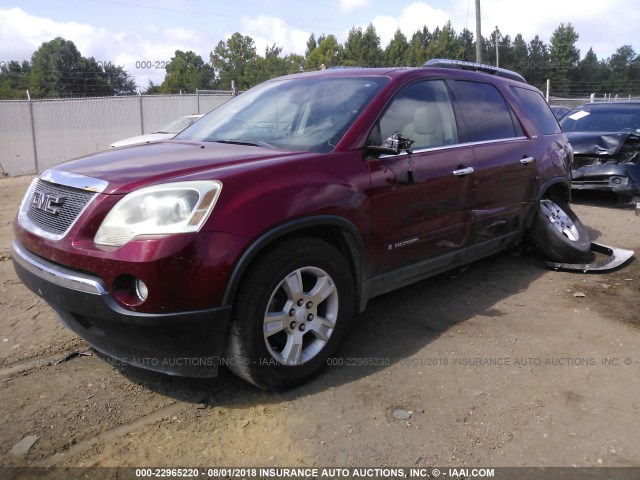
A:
(558, 234)
(291, 313)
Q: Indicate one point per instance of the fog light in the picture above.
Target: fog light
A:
(141, 290)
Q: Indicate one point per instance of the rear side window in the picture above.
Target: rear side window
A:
(538, 110)
(486, 114)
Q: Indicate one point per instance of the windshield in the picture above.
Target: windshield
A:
(599, 119)
(309, 114)
(178, 125)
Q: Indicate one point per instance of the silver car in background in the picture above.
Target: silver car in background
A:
(166, 133)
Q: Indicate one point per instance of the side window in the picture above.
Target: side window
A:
(486, 114)
(536, 107)
(422, 112)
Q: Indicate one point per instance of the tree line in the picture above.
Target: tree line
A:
(58, 69)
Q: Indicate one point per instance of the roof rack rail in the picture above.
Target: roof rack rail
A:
(479, 67)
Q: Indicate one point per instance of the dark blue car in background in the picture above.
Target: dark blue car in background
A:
(606, 142)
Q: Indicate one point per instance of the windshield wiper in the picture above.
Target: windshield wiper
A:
(253, 143)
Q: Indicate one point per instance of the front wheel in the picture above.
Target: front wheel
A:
(558, 233)
(290, 315)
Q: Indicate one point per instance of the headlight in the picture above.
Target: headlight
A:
(166, 209)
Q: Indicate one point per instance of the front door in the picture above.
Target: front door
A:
(421, 201)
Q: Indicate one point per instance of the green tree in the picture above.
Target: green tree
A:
(187, 72)
(622, 60)
(395, 55)
(14, 79)
(371, 51)
(591, 75)
(118, 80)
(489, 53)
(633, 76)
(444, 44)
(520, 56)
(271, 66)
(54, 68)
(295, 63)
(417, 52)
(230, 60)
(58, 69)
(328, 54)
(623, 71)
(94, 78)
(362, 49)
(505, 49)
(311, 45)
(563, 58)
(90, 79)
(152, 88)
(468, 44)
(537, 65)
(353, 47)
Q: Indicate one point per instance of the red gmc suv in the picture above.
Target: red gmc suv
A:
(254, 236)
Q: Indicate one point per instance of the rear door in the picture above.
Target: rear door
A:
(505, 160)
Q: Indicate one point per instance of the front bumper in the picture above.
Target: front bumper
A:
(184, 343)
(622, 178)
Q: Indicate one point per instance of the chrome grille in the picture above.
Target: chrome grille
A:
(75, 200)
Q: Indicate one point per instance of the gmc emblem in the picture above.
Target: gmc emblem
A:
(47, 202)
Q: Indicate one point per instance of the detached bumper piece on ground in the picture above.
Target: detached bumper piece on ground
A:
(615, 257)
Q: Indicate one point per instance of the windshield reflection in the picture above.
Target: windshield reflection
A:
(310, 114)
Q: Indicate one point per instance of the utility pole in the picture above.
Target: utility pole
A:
(478, 34)
(497, 51)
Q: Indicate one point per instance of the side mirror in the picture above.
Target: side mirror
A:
(393, 145)
(380, 150)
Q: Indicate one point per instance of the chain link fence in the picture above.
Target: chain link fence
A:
(572, 102)
(37, 134)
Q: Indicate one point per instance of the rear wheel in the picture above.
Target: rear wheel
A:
(290, 315)
(558, 233)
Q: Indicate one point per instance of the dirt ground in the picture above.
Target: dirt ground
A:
(506, 364)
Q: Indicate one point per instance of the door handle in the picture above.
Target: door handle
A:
(463, 171)
(527, 160)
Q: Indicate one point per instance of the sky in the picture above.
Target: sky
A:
(142, 35)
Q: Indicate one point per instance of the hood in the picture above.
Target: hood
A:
(127, 169)
(599, 143)
(149, 137)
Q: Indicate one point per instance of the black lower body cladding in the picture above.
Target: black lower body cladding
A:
(184, 343)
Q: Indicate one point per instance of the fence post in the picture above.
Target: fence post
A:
(198, 100)
(33, 135)
(548, 88)
(141, 113)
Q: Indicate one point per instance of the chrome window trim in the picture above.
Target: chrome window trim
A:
(497, 140)
(455, 145)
